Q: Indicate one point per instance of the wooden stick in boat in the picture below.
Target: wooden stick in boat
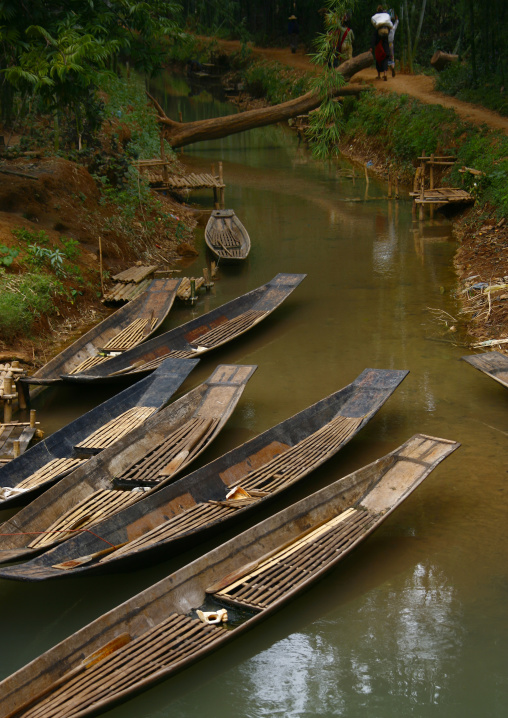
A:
(246, 569)
(122, 640)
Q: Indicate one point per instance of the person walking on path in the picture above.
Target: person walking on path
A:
(293, 31)
(391, 37)
(345, 39)
(379, 45)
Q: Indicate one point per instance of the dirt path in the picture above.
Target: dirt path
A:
(419, 86)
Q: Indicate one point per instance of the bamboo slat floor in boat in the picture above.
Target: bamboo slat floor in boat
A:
(95, 507)
(132, 335)
(106, 435)
(297, 562)
(296, 461)
(89, 363)
(170, 641)
(223, 237)
(224, 332)
(284, 469)
(55, 469)
(152, 468)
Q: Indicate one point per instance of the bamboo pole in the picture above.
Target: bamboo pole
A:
(221, 190)
(100, 266)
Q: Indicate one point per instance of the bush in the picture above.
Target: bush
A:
(23, 300)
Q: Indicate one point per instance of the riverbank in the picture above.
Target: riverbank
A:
(387, 131)
(55, 205)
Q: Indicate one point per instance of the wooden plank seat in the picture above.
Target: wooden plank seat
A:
(95, 507)
(283, 469)
(113, 430)
(224, 332)
(172, 640)
(168, 455)
(261, 584)
(54, 469)
(131, 335)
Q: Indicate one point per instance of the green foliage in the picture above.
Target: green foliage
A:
(24, 299)
(276, 83)
(70, 247)
(27, 235)
(7, 255)
(405, 128)
(457, 80)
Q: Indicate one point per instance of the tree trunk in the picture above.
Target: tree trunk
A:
(179, 134)
(441, 60)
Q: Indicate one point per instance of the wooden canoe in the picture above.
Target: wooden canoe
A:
(202, 503)
(146, 459)
(494, 364)
(122, 330)
(198, 336)
(158, 632)
(226, 237)
(58, 455)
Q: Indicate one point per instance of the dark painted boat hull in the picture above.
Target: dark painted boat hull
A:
(352, 407)
(155, 302)
(158, 632)
(493, 364)
(259, 303)
(153, 391)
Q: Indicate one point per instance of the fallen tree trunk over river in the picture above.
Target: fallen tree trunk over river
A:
(179, 134)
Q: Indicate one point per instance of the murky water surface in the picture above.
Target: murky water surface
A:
(414, 622)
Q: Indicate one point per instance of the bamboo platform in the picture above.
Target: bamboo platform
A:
(153, 170)
(134, 275)
(184, 292)
(123, 292)
(435, 197)
(441, 196)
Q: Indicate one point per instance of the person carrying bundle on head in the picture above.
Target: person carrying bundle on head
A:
(380, 46)
(391, 38)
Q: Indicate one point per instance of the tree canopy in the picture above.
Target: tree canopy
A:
(53, 50)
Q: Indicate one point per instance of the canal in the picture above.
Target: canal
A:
(414, 621)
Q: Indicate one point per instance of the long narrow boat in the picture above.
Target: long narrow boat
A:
(217, 495)
(198, 336)
(494, 364)
(157, 451)
(226, 237)
(122, 330)
(219, 596)
(69, 447)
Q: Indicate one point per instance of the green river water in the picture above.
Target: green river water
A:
(414, 622)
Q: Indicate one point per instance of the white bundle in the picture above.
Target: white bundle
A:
(381, 18)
